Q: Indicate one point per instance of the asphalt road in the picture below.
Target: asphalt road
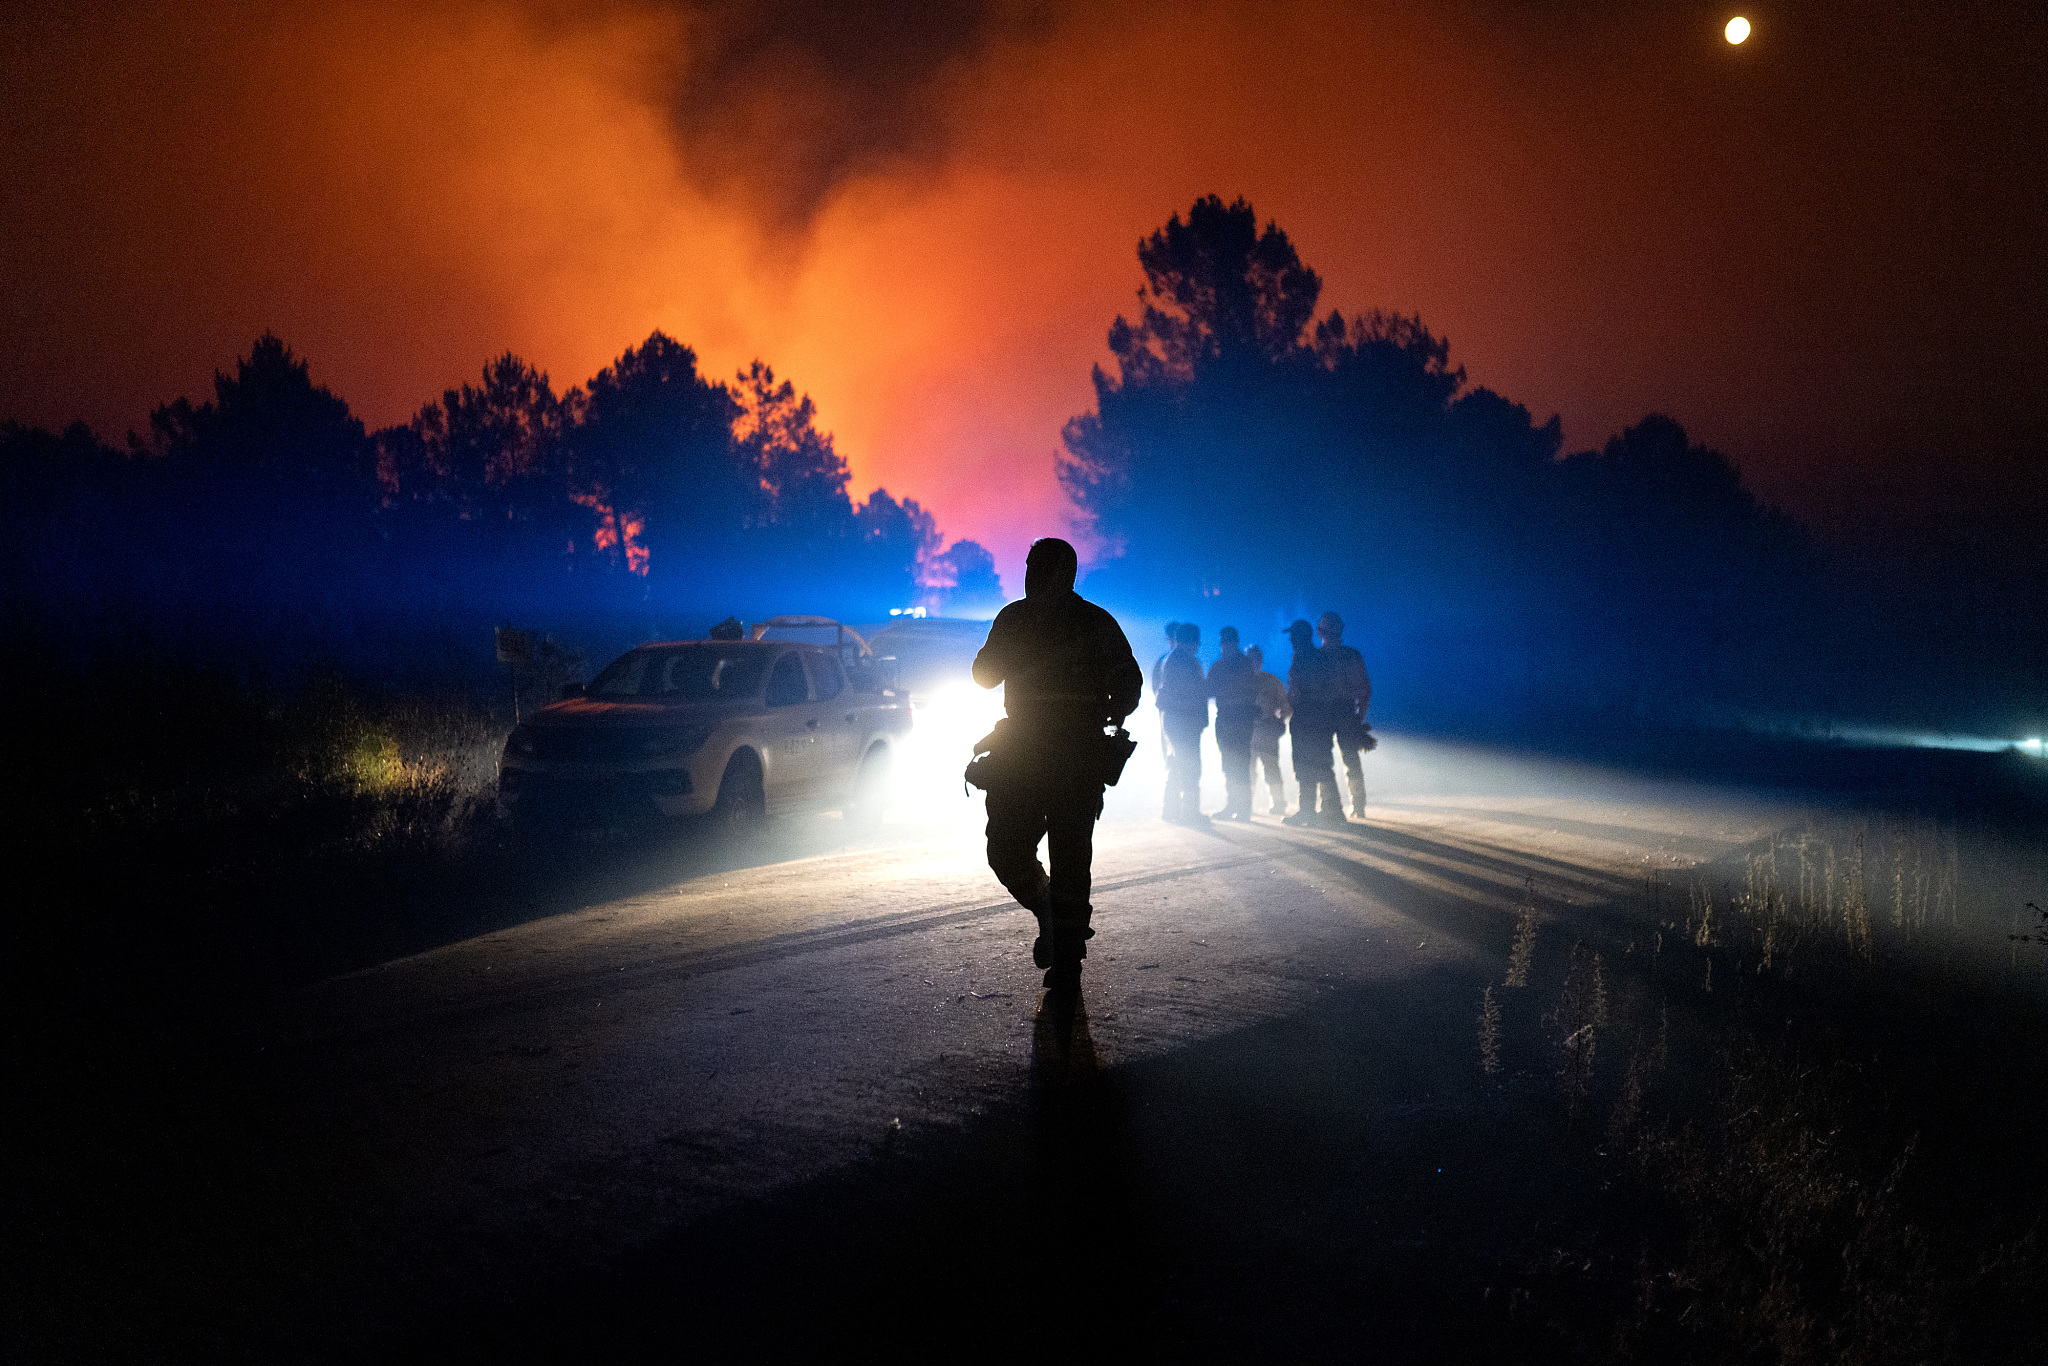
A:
(811, 1099)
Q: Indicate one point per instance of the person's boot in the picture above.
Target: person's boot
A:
(1357, 797)
(1070, 936)
(1279, 801)
(1040, 906)
(1239, 805)
(1330, 809)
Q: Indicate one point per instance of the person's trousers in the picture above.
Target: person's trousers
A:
(1266, 757)
(1314, 732)
(1353, 740)
(1061, 810)
(1234, 738)
(1184, 764)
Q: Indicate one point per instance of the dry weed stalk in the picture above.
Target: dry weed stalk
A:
(1763, 901)
(1489, 1034)
(1856, 907)
(1580, 1016)
(1646, 1062)
(1524, 950)
(1701, 919)
(1828, 904)
(1898, 887)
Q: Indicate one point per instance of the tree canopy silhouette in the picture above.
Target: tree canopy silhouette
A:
(270, 427)
(962, 580)
(1249, 451)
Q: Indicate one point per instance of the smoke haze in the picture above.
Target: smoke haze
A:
(1820, 252)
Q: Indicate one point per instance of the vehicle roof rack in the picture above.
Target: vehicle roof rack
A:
(761, 628)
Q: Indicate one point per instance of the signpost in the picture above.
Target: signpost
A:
(515, 648)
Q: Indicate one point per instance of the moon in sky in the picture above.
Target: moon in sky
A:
(1738, 29)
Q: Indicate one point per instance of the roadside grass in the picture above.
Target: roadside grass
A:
(214, 783)
(199, 839)
(1814, 1073)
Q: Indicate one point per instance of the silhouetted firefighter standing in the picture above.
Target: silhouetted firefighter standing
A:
(1067, 675)
(1350, 695)
(1312, 692)
(1269, 724)
(1234, 683)
(1181, 692)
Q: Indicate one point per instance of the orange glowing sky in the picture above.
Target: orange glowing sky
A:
(1822, 251)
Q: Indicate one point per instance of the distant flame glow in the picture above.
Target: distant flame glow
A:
(616, 532)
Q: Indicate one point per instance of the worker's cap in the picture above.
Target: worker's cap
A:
(1300, 630)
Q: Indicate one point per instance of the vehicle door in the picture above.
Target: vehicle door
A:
(790, 732)
(840, 722)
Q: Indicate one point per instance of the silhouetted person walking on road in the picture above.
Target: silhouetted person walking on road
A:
(1351, 694)
(1268, 725)
(1181, 693)
(1234, 683)
(1067, 674)
(1312, 693)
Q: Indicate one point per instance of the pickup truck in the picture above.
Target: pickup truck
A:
(740, 730)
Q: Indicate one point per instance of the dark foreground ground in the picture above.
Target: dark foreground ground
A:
(1764, 1079)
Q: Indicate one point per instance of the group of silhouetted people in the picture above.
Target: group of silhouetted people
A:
(1069, 679)
(1322, 704)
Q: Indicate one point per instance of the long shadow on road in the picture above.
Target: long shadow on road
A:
(505, 881)
(1329, 1183)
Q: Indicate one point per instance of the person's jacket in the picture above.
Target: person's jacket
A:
(1178, 687)
(1272, 703)
(1310, 682)
(1062, 662)
(1232, 681)
(1349, 682)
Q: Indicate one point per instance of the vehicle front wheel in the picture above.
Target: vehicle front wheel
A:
(870, 791)
(742, 808)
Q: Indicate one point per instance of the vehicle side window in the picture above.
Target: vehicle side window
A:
(621, 679)
(827, 677)
(786, 685)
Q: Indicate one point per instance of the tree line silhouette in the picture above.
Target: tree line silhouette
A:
(651, 486)
(1251, 459)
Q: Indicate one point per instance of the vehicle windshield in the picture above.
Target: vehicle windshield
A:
(710, 672)
(931, 654)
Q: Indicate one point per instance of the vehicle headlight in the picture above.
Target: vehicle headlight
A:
(520, 742)
(674, 744)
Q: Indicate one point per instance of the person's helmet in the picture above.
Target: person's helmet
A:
(1301, 631)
